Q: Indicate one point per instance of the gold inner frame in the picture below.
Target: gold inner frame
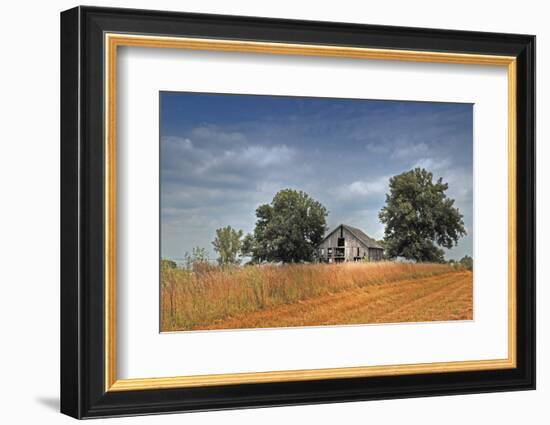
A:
(113, 41)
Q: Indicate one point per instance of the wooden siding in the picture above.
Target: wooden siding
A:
(353, 250)
(375, 254)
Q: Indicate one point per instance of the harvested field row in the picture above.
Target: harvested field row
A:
(309, 295)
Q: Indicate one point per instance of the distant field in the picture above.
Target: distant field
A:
(311, 295)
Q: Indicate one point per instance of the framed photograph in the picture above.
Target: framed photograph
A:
(261, 212)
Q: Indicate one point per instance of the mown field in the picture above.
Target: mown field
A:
(312, 295)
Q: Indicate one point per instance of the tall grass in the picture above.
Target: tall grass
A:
(192, 299)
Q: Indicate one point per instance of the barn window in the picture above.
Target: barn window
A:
(341, 241)
(322, 251)
(358, 251)
(329, 251)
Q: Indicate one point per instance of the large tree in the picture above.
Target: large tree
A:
(419, 217)
(228, 245)
(289, 229)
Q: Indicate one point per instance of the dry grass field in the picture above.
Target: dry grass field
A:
(312, 295)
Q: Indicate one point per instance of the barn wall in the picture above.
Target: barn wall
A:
(375, 254)
(351, 245)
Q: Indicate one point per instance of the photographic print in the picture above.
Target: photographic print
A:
(256, 183)
(283, 211)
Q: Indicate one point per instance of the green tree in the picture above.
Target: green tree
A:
(289, 229)
(228, 245)
(167, 264)
(197, 259)
(419, 217)
(248, 246)
(467, 262)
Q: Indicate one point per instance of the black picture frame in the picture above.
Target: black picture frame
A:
(83, 392)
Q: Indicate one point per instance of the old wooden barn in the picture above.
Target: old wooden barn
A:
(346, 243)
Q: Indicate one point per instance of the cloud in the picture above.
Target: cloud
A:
(399, 148)
(433, 164)
(216, 136)
(460, 182)
(265, 156)
(363, 188)
(218, 165)
(176, 143)
(221, 158)
(244, 164)
(410, 150)
(377, 148)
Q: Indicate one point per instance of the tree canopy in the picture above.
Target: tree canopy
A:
(467, 262)
(420, 218)
(289, 229)
(167, 264)
(196, 260)
(228, 245)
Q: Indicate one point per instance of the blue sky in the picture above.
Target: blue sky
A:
(223, 155)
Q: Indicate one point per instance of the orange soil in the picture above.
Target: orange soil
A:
(437, 298)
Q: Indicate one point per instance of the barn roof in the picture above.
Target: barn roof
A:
(359, 234)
